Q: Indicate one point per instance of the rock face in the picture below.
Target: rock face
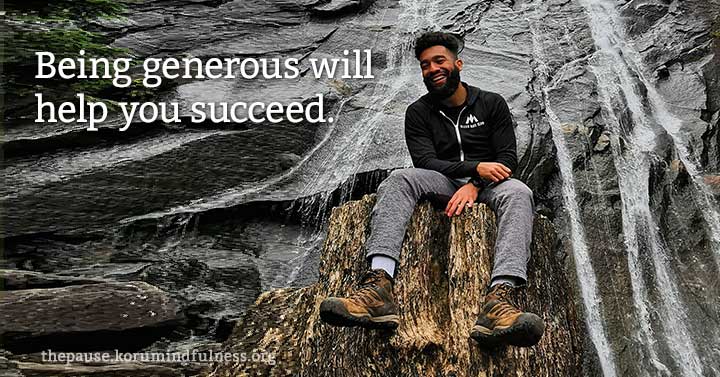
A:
(84, 316)
(444, 268)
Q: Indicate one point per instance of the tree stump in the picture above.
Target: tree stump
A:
(444, 269)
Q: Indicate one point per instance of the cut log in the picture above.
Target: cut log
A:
(444, 269)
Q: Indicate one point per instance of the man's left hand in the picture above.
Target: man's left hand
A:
(465, 196)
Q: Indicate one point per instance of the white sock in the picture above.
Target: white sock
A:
(504, 280)
(381, 262)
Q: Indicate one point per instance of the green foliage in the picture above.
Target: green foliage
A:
(22, 45)
(63, 28)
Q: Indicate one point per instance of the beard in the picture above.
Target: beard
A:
(451, 84)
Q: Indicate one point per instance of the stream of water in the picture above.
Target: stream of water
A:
(583, 267)
(619, 74)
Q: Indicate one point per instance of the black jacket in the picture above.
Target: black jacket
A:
(483, 132)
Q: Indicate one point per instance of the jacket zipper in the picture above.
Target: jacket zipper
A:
(457, 130)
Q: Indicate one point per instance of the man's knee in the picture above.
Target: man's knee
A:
(514, 189)
(413, 181)
(410, 174)
(406, 176)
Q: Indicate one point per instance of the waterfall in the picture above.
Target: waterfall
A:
(618, 70)
(353, 139)
(345, 147)
(583, 267)
(346, 144)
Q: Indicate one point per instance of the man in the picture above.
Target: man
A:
(462, 143)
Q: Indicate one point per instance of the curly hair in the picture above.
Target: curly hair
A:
(437, 38)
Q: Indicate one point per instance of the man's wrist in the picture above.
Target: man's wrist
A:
(478, 182)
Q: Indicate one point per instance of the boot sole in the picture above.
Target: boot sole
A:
(525, 332)
(334, 313)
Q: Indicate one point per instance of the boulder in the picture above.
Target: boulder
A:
(85, 317)
(112, 370)
(444, 269)
(22, 279)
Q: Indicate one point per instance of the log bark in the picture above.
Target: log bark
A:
(444, 269)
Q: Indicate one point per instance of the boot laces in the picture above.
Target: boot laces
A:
(505, 305)
(368, 286)
(372, 278)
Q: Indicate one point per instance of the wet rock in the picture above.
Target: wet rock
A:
(602, 143)
(211, 293)
(149, 362)
(53, 254)
(662, 72)
(289, 160)
(8, 368)
(29, 369)
(92, 316)
(570, 128)
(713, 182)
(711, 143)
(337, 7)
(439, 278)
(645, 15)
(19, 279)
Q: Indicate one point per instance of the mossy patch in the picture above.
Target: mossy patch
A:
(63, 27)
(22, 45)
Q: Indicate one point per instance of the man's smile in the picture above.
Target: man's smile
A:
(439, 79)
(441, 82)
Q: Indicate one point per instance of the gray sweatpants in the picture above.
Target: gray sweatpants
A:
(511, 200)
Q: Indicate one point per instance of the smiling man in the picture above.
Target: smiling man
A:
(462, 143)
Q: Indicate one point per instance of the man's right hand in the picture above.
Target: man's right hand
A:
(493, 171)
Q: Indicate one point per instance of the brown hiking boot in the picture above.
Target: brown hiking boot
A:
(370, 306)
(502, 323)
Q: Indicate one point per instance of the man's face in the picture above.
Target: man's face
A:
(440, 71)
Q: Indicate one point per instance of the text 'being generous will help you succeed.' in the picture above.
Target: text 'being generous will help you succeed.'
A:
(355, 64)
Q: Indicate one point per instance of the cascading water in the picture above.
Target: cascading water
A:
(664, 330)
(346, 142)
(32, 174)
(344, 149)
(619, 71)
(606, 28)
(353, 139)
(583, 267)
(350, 143)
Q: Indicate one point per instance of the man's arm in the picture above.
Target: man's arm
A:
(423, 154)
(502, 139)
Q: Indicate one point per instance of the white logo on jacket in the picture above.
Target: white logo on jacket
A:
(471, 122)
